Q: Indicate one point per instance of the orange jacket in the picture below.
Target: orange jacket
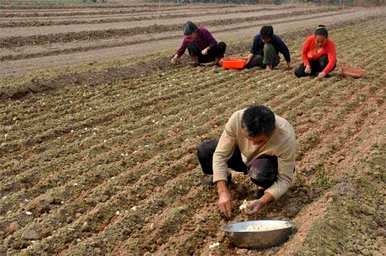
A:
(310, 52)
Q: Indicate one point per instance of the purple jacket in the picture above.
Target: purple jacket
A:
(203, 40)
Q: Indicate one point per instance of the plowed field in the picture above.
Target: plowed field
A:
(39, 37)
(102, 161)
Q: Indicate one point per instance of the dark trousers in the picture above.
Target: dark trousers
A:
(317, 66)
(262, 170)
(215, 52)
(269, 56)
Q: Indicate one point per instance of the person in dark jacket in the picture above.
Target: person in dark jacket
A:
(202, 46)
(265, 50)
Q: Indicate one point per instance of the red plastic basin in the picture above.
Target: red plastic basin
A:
(347, 70)
(234, 63)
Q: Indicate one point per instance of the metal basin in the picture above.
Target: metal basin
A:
(259, 234)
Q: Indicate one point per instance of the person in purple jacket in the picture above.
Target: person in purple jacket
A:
(202, 47)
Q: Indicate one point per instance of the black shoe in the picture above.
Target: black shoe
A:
(195, 64)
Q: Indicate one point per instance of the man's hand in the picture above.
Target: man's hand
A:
(253, 206)
(174, 60)
(308, 69)
(321, 76)
(205, 51)
(256, 205)
(225, 199)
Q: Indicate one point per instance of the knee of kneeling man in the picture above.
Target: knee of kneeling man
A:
(263, 183)
(201, 150)
(205, 148)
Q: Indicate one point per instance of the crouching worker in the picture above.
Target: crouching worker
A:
(202, 47)
(257, 143)
(265, 50)
(318, 54)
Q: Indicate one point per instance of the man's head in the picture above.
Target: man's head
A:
(190, 29)
(266, 33)
(258, 123)
(321, 35)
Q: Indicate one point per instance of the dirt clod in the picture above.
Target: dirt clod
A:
(32, 233)
(14, 226)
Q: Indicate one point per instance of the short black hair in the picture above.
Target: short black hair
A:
(189, 28)
(321, 31)
(266, 31)
(257, 120)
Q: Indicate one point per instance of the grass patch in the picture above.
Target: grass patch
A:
(355, 219)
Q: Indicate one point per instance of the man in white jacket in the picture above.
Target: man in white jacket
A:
(258, 143)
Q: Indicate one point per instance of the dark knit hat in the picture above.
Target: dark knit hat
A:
(189, 27)
(266, 31)
(321, 31)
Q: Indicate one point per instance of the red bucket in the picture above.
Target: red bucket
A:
(234, 63)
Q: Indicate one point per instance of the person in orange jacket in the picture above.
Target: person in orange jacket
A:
(318, 54)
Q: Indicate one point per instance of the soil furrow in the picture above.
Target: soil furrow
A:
(321, 163)
(17, 41)
(25, 176)
(58, 6)
(302, 140)
(133, 185)
(139, 132)
(187, 14)
(134, 10)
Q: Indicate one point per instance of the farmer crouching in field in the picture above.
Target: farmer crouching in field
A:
(265, 50)
(318, 54)
(202, 47)
(257, 143)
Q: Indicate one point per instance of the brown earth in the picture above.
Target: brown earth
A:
(19, 5)
(115, 39)
(95, 19)
(23, 33)
(153, 8)
(109, 168)
(47, 4)
(83, 52)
